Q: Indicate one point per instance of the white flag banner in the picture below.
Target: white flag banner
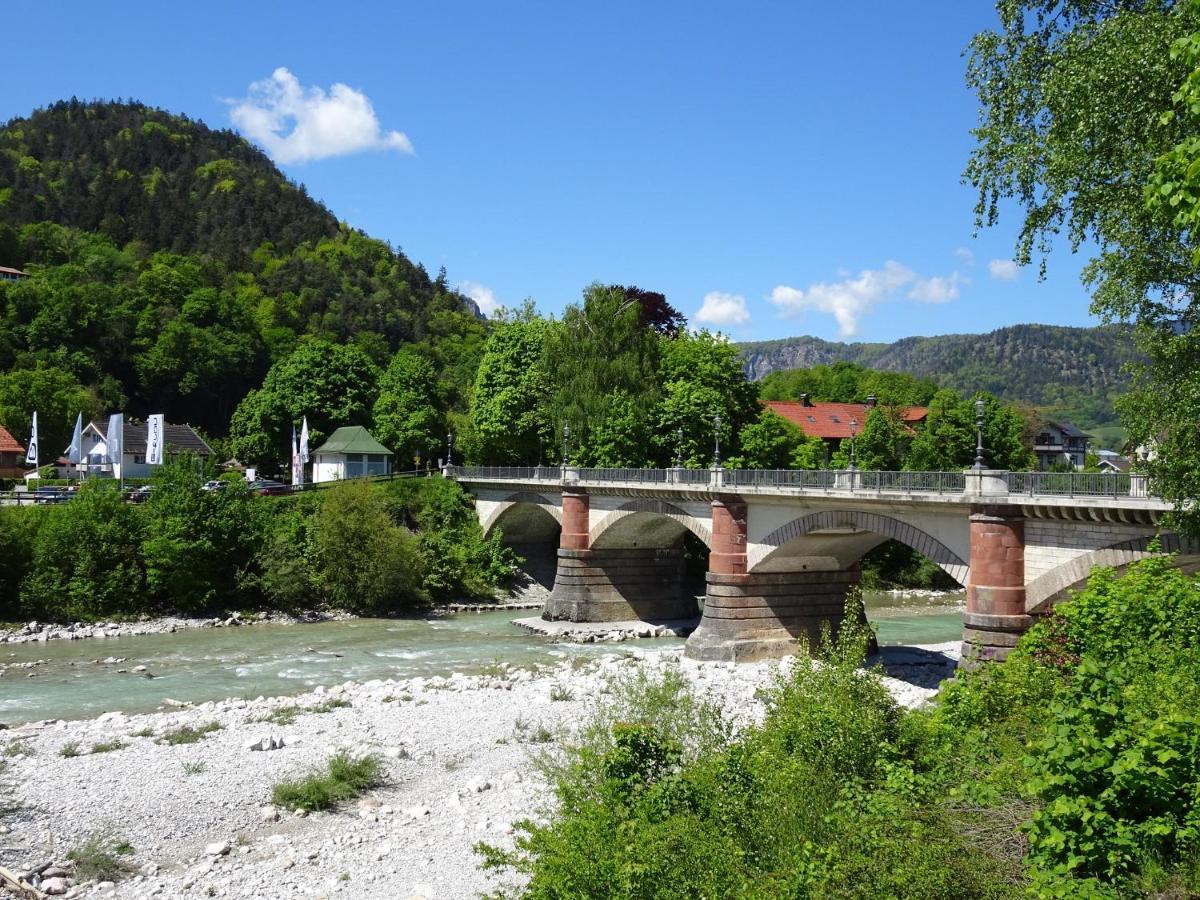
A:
(304, 440)
(114, 441)
(297, 466)
(154, 440)
(75, 451)
(31, 452)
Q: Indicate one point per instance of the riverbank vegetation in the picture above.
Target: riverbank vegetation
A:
(370, 548)
(1070, 770)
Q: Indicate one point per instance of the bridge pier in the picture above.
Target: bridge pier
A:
(760, 615)
(995, 617)
(613, 584)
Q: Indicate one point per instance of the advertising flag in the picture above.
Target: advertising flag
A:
(154, 440)
(304, 440)
(75, 451)
(31, 452)
(114, 441)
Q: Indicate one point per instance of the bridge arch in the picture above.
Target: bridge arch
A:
(647, 523)
(1050, 587)
(849, 534)
(525, 518)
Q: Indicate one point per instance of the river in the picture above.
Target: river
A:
(75, 679)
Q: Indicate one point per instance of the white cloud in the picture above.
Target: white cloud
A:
(939, 289)
(1004, 269)
(484, 296)
(965, 254)
(295, 124)
(723, 309)
(852, 298)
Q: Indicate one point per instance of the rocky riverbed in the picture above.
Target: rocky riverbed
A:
(457, 756)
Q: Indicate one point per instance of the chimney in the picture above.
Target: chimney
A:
(872, 401)
(804, 401)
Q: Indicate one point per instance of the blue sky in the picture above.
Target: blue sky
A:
(786, 168)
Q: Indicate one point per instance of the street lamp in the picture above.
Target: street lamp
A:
(978, 435)
(541, 443)
(717, 445)
(853, 432)
(566, 439)
(679, 448)
(449, 448)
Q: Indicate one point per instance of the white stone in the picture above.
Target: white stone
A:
(54, 886)
(219, 848)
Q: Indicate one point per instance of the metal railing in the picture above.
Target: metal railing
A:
(1077, 484)
(850, 480)
(515, 473)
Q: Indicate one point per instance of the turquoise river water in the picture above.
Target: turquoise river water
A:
(74, 680)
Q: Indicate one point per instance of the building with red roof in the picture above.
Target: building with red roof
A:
(10, 451)
(835, 422)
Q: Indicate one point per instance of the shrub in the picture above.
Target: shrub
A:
(86, 562)
(368, 564)
(186, 734)
(18, 533)
(197, 543)
(343, 778)
(98, 858)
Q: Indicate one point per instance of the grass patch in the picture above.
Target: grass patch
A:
(98, 858)
(143, 732)
(69, 750)
(560, 693)
(193, 768)
(189, 735)
(106, 746)
(343, 778)
(18, 748)
(330, 705)
(284, 715)
(527, 732)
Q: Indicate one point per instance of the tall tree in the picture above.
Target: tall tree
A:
(57, 398)
(331, 384)
(406, 414)
(1088, 124)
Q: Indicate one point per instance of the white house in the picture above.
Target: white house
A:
(350, 452)
(94, 462)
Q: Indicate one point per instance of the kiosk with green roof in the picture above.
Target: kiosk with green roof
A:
(350, 452)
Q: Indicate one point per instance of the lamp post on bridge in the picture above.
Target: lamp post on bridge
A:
(853, 433)
(979, 407)
(566, 444)
(449, 448)
(679, 447)
(717, 441)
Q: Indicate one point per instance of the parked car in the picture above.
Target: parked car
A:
(213, 486)
(51, 495)
(266, 488)
(140, 495)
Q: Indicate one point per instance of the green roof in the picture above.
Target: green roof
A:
(352, 439)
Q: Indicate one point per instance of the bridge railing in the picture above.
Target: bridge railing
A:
(849, 480)
(648, 476)
(515, 473)
(1076, 484)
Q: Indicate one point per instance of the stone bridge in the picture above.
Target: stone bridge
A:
(784, 546)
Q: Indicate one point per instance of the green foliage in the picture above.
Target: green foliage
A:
(331, 384)
(18, 532)
(772, 442)
(509, 421)
(841, 382)
(883, 442)
(197, 543)
(99, 858)
(947, 439)
(186, 734)
(368, 563)
(342, 778)
(406, 415)
(86, 562)
(55, 395)
(286, 571)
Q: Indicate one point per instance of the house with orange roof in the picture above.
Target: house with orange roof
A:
(10, 452)
(836, 422)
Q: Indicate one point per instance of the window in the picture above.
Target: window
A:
(355, 467)
(139, 459)
(811, 418)
(377, 464)
(835, 419)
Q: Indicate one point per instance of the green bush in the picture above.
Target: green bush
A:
(86, 561)
(286, 570)
(368, 563)
(343, 778)
(197, 544)
(18, 533)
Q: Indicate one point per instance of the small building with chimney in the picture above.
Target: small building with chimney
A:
(836, 422)
(12, 455)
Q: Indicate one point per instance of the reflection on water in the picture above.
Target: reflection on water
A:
(74, 681)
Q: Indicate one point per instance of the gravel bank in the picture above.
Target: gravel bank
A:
(457, 756)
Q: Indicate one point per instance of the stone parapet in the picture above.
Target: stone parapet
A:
(755, 616)
(615, 585)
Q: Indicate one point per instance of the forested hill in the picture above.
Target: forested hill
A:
(173, 264)
(1075, 370)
